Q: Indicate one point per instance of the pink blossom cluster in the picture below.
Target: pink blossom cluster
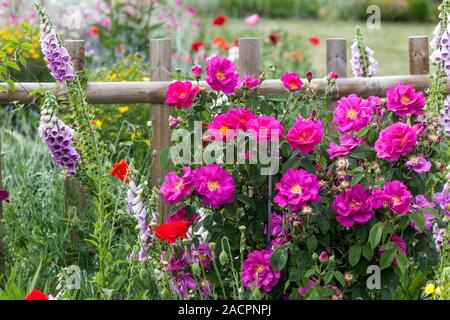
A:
(213, 184)
(257, 272)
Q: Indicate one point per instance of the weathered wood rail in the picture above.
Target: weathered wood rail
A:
(153, 91)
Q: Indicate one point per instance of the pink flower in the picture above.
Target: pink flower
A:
(257, 271)
(404, 100)
(252, 20)
(323, 257)
(353, 206)
(332, 75)
(397, 196)
(348, 143)
(352, 113)
(419, 165)
(399, 242)
(180, 94)
(242, 116)
(395, 141)
(304, 290)
(175, 189)
(443, 200)
(265, 128)
(182, 215)
(174, 122)
(225, 126)
(291, 81)
(249, 82)
(305, 135)
(297, 188)
(222, 75)
(197, 71)
(277, 225)
(420, 202)
(214, 185)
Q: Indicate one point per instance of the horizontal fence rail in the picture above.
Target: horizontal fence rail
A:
(154, 91)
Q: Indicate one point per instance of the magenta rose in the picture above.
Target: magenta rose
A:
(305, 135)
(347, 143)
(297, 188)
(353, 206)
(175, 189)
(265, 128)
(180, 94)
(395, 141)
(397, 196)
(352, 113)
(404, 100)
(214, 185)
(291, 81)
(221, 75)
(257, 271)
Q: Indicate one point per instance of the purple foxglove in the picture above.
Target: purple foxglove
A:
(58, 59)
(58, 137)
(445, 116)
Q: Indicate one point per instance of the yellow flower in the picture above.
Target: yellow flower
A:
(135, 135)
(123, 109)
(112, 77)
(429, 289)
(147, 141)
(97, 123)
(10, 50)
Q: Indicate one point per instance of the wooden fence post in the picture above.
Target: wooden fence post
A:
(160, 70)
(336, 62)
(337, 56)
(76, 195)
(249, 57)
(419, 56)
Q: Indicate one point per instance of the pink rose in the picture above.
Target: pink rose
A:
(404, 100)
(352, 113)
(348, 143)
(353, 206)
(180, 94)
(395, 141)
(305, 135)
(291, 81)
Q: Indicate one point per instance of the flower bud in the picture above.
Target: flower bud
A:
(242, 228)
(212, 246)
(223, 258)
(315, 256)
(149, 124)
(195, 269)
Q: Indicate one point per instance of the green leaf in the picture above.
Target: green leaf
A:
(402, 261)
(279, 257)
(367, 252)
(26, 46)
(311, 243)
(12, 65)
(418, 219)
(11, 84)
(354, 254)
(387, 258)
(356, 179)
(245, 200)
(340, 277)
(362, 152)
(375, 235)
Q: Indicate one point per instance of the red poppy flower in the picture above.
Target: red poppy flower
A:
(314, 41)
(220, 43)
(36, 295)
(170, 232)
(120, 171)
(95, 31)
(219, 21)
(196, 46)
(274, 38)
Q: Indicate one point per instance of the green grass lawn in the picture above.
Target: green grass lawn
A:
(390, 43)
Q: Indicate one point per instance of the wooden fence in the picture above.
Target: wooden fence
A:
(161, 74)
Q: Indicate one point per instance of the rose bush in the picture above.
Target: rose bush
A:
(357, 198)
